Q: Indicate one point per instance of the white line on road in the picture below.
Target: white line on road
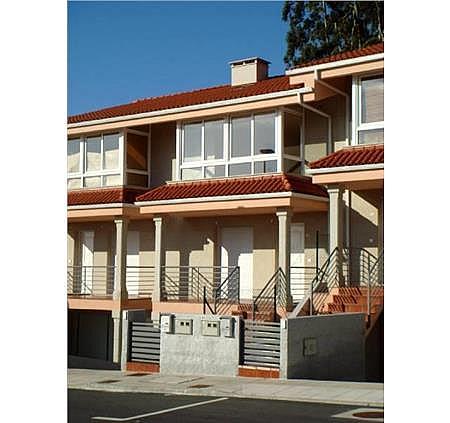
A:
(168, 410)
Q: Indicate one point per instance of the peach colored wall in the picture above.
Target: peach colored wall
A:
(163, 152)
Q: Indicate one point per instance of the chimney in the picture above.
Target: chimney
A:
(248, 71)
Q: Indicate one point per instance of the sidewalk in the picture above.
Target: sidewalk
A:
(351, 393)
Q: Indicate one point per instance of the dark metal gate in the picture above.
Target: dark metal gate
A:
(144, 342)
(261, 344)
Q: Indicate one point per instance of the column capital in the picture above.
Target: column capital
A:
(284, 212)
(158, 219)
(121, 220)
(335, 189)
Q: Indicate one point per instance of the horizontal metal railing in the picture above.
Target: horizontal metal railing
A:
(300, 281)
(190, 283)
(140, 281)
(90, 280)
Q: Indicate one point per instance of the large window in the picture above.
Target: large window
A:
(241, 145)
(93, 161)
(368, 98)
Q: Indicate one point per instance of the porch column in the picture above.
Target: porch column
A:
(117, 336)
(284, 248)
(120, 280)
(156, 296)
(335, 227)
(335, 218)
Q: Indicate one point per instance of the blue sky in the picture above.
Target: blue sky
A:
(121, 51)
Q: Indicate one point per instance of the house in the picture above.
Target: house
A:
(205, 201)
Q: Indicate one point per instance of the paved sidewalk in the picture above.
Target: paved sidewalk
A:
(351, 393)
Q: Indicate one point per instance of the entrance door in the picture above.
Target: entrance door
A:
(237, 250)
(298, 282)
(87, 262)
(133, 263)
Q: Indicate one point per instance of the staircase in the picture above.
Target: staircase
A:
(350, 281)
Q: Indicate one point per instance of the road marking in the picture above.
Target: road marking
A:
(155, 413)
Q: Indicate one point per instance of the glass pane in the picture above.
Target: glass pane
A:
(292, 131)
(73, 155)
(138, 180)
(292, 166)
(92, 181)
(137, 151)
(240, 169)
(111, 151)
(371, 136)
(215, 171)
(192, 150)
(265, 134)
(240, 137)
(214, 140)
(93, 158)
(193, 173)
(268, 166)
(74, 183)
(372, 99)
(111, 180)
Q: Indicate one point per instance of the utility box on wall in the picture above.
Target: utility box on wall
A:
(183, 326)
(210, 328)
(167, 323)
(227, 327)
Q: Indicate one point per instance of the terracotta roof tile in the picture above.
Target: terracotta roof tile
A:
(102, 196)
(352, 54)
(352, 156)
(235, 186)
(206, 95)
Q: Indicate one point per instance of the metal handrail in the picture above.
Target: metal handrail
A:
(90, 280)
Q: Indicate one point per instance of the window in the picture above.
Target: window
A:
(368, 98)
(241, 145)
(93, 161)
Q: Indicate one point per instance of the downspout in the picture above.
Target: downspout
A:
(319, 112)
(318, 79)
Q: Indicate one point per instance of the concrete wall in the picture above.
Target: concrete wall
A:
(339, 351)
(197, 354)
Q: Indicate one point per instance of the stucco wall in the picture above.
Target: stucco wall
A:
(197, 354)
(339, 340)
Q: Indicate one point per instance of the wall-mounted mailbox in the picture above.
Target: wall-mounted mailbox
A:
(167, 323)
(210, 328)
(183, 326)
(227, 327)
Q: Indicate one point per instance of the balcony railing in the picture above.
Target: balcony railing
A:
(90, 281)
(98, 281)
(191, 283)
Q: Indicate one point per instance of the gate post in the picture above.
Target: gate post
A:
(125, 350)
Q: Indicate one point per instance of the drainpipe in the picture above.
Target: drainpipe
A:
(319, 112)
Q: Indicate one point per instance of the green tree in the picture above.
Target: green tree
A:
(322, 28)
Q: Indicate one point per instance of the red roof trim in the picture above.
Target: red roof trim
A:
(183, 99)
(352, 156)
(352, 54)
(103, 196)
(235, 186)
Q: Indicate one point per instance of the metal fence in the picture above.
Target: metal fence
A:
(261, 342)
(90, 280)
(144, 340)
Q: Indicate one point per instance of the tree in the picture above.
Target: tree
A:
(322, 28)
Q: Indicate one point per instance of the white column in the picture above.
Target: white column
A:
(335, 218)
(120, 282)
(117, 336)
(158, 258)
(284, 247)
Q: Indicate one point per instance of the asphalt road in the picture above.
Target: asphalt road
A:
(84, 406)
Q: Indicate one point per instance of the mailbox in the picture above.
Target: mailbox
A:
(227, 327)
(183, 326)
(167, 323)
(210, 328)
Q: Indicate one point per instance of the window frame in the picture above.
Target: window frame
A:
(227, 160)
(357, 125)
(82, 173)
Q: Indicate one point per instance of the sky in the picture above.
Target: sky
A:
(121, 51)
